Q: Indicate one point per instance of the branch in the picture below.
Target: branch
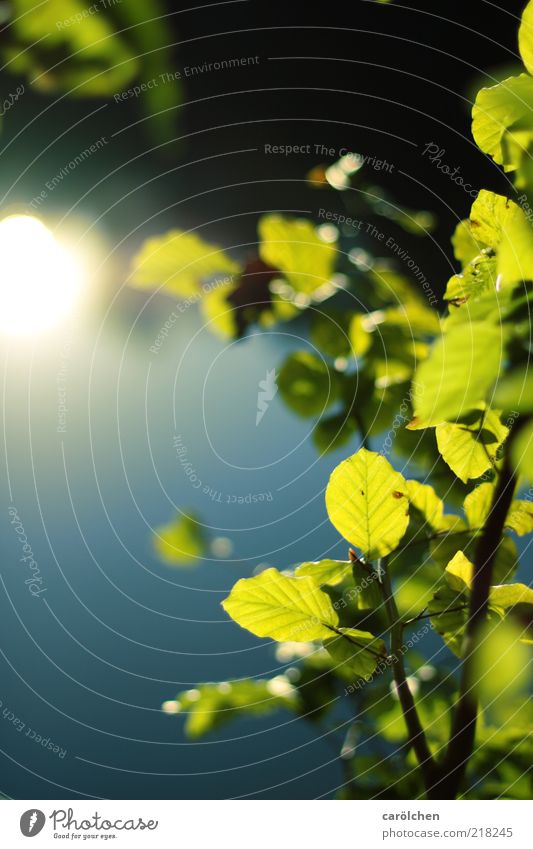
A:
(417, 737)
(462, 737)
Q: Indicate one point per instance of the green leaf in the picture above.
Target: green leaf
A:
(85, 57)
(274, 605)
(491, 216)
(479, 276)
(179, 262)
(330, 572)
(515, 254)
(478, 504)
(522, 451)
(356, 653)
(459, 573)
(329, 333)
(295, 247)
(509, 595)
(449, 614)
(465, 245)
(460, 538)
(182, 542)
(515, 391)
(470, 447)
(306, 384)
(525, 37)
(520, 517)
(212, 705)
(501, 121)
(367, 502)
(332, 433)
(425, 500)
(458, 373)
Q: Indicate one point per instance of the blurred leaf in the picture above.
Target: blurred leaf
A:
(178, 262)
(332, 433)
(84, 57)
(458, 373)
(182, 542)
(525, 37)
(273, 605)
(306, 384)
(329, 333)
(522, 451)
(294, 246)
(515, 391)
(367, 502)
(213, 705)
(355, 653)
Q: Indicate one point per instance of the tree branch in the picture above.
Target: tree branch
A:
(462, 737)
(417, 737)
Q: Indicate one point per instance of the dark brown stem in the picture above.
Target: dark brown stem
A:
(462, 737)
(417, 737)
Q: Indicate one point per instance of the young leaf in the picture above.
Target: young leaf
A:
(458, 373)
(331, 572)
(356, 653)
(274, 605)
(367, 502)
(471, 446)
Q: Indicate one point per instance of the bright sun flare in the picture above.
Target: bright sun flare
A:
(39, 279)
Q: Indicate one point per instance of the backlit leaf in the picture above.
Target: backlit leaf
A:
(182, 542)
(330, 572)
(471, 446)
(283, 608)
(294, 246)
(356, 653)
(367, 501)
(458, 373)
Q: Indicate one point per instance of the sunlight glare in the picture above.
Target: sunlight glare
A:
(39, 278)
